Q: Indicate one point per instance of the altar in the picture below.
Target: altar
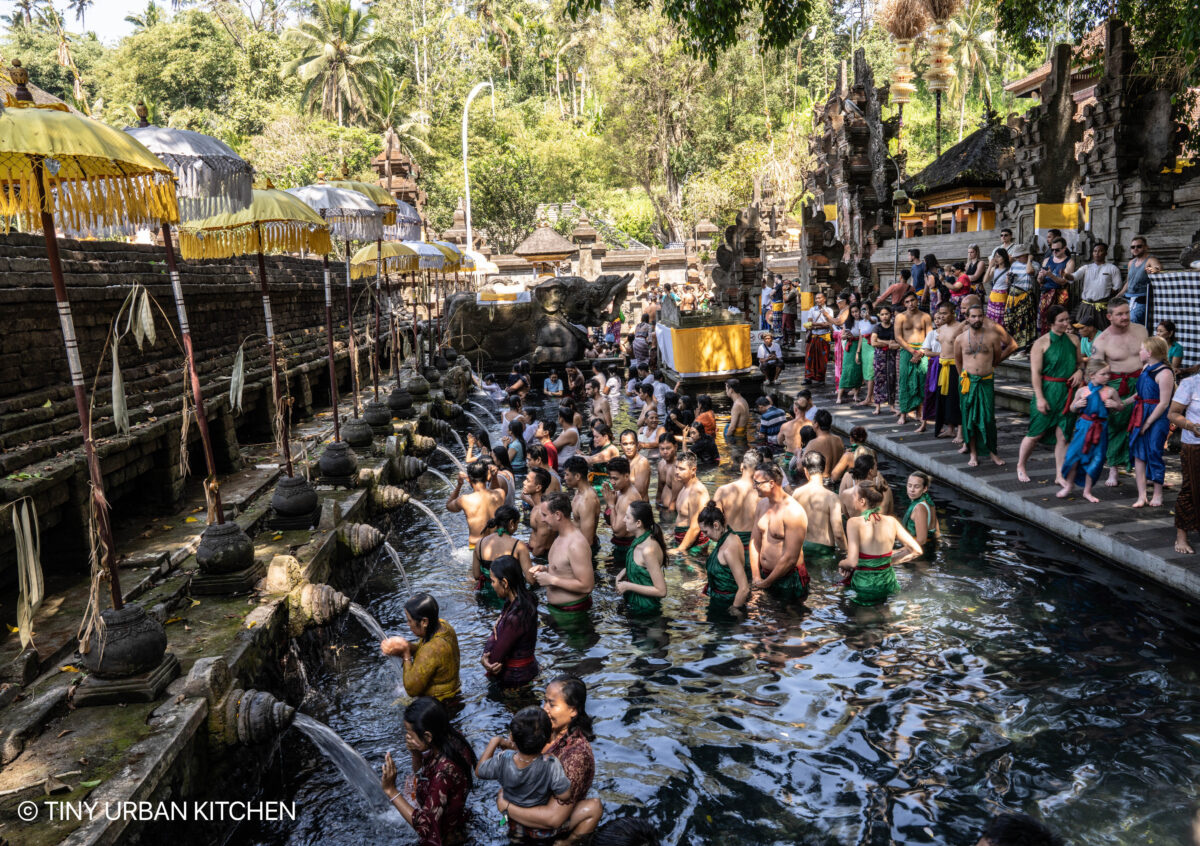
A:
(705, 347)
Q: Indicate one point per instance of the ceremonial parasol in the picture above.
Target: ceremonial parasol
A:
(56, 166)
(274, 222)
(388, 256)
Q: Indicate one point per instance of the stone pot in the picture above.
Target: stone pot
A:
(418, 385)
(400, 401)
(433, 376)
(337, 461)
(356, 432)
(294, 497)
(132, 643)
(224, 548)
(378, 416)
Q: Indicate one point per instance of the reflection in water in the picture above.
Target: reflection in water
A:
(1010, 673)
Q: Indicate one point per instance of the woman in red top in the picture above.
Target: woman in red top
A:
(508, 653)
(442, 761)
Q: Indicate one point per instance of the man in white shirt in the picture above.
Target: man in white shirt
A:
(1101, 281)
(818, 321)
(770, 357)
(1185, 415)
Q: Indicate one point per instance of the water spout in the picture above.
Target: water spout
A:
(376, 630)
(395, 556)
(452, 456)
(460, 440)
(446, 534)
(354, 767)
(478, 422)
(486, 410)
(441, 476)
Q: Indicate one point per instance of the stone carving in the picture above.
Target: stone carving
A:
(545, 330)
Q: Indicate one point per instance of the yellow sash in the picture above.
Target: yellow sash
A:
(998, 297)
(944, 378)
(964, 381)
(1013, 299)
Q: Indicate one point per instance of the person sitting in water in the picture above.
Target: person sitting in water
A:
(508, 653)
(619, 493)
(728, 581)
(495, 392)
(568, 574)
(823, 507)
(770, 420)
(528, 777)
(641, 580)
(705, 415)
(431, 662)
(479, 505)
(921, 518)
(690, 499)
(871, 539)
(603, 451)
(552, 386)
(442, 763)
(499, 541)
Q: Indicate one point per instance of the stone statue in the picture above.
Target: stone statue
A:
(457, 384)
(547, 330)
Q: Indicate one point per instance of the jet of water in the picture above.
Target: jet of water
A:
(427, 510)
(376, 630)
(485, 410)
(478, 422)
(354, 767)
(395, 556)
(460, 440)
(440, 475)
(453, 458)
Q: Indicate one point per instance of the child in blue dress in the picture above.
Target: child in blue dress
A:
(1149, 426)
(1084, 461)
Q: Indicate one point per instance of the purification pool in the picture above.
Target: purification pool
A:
(1011, 673)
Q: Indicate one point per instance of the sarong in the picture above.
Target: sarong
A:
(997, 300)
(636, 602)
(1187, 512)
(792, 587)
(620, 545)
(721, 586)
(1020, 317)
(1085, 454)
(745, 539)
(1118, 421)
(839, 354)
(885, 376)
(911, 383)
(929, 409)
(978, 402)
(949, 407)
(1147, 443)
(816, 358)
(852, 371)
(698, 546)
(1057, 296)
(572, 612)
(1058, 363)
(814, 552)
(875, 582)
(867, 353)
(1098, 311)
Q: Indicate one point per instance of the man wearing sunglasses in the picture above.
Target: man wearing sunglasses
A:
(1141, 264)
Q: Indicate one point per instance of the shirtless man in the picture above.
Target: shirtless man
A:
(619, 493)
(639, 465)
(739, 412)
(667, 450)
(600, 408)
(584, 502)
(1118, 345)
(829, 445)
(689, 501)
(912, 325)
(567, 442)
(738, 500)
(777, 544)
(541, 535)
(947, 414)
(789, 432)
(568, 576)
(823, 508)
(977, 350)
(1010, 346)
(480, 504)
(536, 487)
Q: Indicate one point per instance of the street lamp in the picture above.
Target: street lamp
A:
(466, 174)
(899, 195)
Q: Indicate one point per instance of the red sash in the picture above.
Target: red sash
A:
(1067, 402)
(863, 555)
(1139, 412)
(514, 663)
(1126, 378)
(1092, 438)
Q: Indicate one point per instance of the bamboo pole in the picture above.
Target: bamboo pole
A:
(353, 340)
(333, 387)
(285, 413)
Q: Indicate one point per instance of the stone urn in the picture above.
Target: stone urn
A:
(293, 497)
(378, 416)
(417, 385)
(357, 432)
(434, 376)
(338, 464)
(224, 548)
(400, 401)
(132, 643)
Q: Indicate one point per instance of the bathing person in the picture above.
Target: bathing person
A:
(828, 444)
(501, 540)
(667, 452)
(639, 465)
(442, 763)
(823, 508)
(568, 575)
(920, 520)
(858, 437)
(430, 662)
(864, 468)
(508, 653)
(629, 831)
(871, 539)
(619, 493)
(570, 742)
(690, 499)
(727, 564)
(641, 582)
(567, 442)
(584, 502)
(528, 776)
(603, 451)
(739, 411)
(1149, 426)
(738, 501)
(1018, 830)
(479, 505)
(777, 543)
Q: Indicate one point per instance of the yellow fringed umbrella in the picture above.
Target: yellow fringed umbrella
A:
(275, 222)
(395, 256)
(60, 166)
(375, 193)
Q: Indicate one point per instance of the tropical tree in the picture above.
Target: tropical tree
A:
(340, 53)
(150, 18)
(974, 52)
(389, 115)
(79, 7)
(23, 11)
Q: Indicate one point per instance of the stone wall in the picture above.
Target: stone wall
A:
(40, 441)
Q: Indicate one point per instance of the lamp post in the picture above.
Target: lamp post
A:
(466, 174)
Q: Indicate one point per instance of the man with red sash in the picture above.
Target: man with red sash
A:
(1118, 346)
(818, 320)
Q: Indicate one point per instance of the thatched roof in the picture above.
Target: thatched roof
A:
(545, 243)
(973, 162)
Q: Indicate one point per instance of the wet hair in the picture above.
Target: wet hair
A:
(814, 463)
(704, 402)
(807, 435)
(626, 831)
(477, 472)
(751, 459)
(620, 464)
(644, 514)
(666, 437)
(601, 428)
(550, 427)
(507, 569)
(422, 606)
(500, 456)
(925, 478)
(576, 464)
(574, 693)
(823, 419)
(770, 469)
(647, 390)
(1169, 325)
(1157, 347)
(504, 515)
(687, 459)
(541, 477)
(863, 465)
(870, 491)
(733, 385)
(712, 515)
(517, 429)
(530, 730)
(1019, 830)
(428, 716)
(489, 377)
(559, 503)
(566, 414)
(858, 435)
(514, 402)
(535, 452)
(1053, 312)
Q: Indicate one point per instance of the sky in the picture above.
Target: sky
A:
(105, 17)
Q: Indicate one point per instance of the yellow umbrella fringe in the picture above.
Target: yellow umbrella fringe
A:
(277, 237)
(142, 199)
(393, 264)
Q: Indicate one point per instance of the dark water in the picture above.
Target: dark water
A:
(1011, 673)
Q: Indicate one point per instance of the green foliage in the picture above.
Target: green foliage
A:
(504, 196)
(294, 148)
(37, 48)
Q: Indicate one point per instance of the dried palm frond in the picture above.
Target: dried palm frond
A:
(237, 381)
(903, 19)
(30, 584)
(120, 407)
(185, 421)
(943, 10)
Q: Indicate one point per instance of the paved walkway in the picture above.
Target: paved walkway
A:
(1140, 540)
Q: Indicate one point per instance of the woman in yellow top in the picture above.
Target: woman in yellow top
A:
(430, 662)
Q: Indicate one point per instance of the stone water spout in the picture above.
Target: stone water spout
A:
(311, 605)
(444, 409)
(361, 538)
(406, 468)
(390, 496)
(236, 716)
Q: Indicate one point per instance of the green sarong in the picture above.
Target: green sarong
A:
(1118, 421)
(819, 552)
(873, 585)
(744, 537)
(868, 361)
(634, 572)
(1058, 363)
(911, 384)
(852, 371)
(977, 399)
(909, 523)
(722, 586)
(793, 587)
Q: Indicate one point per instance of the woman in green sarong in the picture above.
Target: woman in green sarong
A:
(871, 539)
(852, 362)
(641, 582)
(866, 353)
(1056, 360)
(921, 520)
(727, 565)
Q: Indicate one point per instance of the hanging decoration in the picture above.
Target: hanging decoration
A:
(904, 20)
(940, 75)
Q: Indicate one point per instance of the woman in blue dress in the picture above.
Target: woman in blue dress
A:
(1084, 461)
(1149, 426)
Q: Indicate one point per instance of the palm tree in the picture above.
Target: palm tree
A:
(79, 7)
(389, 115)
(23, 10)
(339, 56)
(974, 52)
(148, 19)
